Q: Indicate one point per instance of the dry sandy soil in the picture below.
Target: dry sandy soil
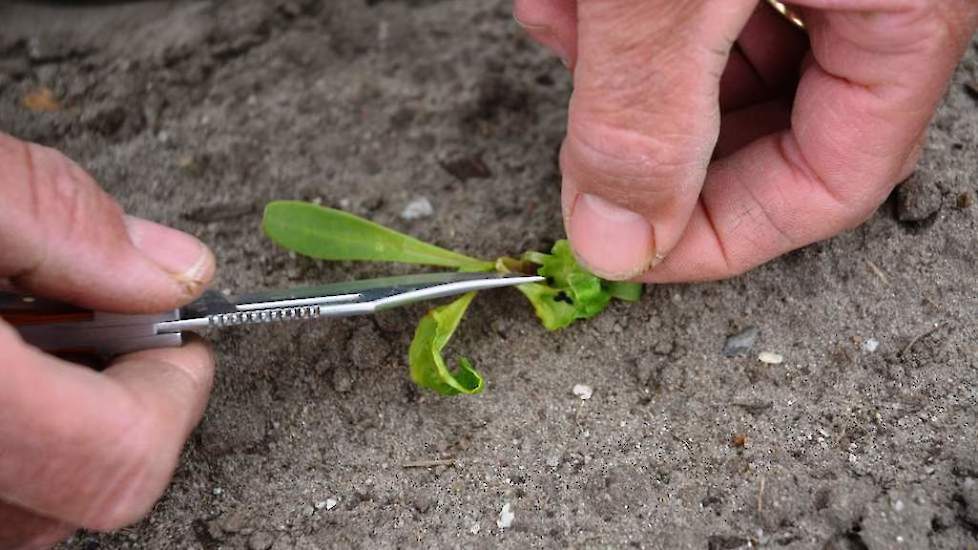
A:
(197, 113)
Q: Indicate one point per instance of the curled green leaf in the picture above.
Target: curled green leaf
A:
(427, 366)
(330, 234)
(571, 292)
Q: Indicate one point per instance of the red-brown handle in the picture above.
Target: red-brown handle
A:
(22, 310)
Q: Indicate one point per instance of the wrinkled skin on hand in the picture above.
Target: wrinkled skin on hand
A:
(709, 136)
(82, 448)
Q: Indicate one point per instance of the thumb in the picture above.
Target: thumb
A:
(63, 237)
(643, 120)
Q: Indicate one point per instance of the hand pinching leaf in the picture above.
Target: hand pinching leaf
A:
(570, 293)
(428, 368)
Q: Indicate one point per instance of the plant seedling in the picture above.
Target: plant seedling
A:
(570, 293)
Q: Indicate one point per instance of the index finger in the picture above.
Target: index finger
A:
(872, 81)
(96, 449)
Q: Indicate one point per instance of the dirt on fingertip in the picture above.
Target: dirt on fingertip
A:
(196, 113)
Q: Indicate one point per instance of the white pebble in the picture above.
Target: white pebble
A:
(770, 358)
(475, 528)
(898, 506)
(320, 505)
(417, 209)
(331, 503)
(505, 517)
(871, 345)
(218, 491)
(583, 391)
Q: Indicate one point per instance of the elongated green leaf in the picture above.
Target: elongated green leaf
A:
(330, 234)
(428, 368)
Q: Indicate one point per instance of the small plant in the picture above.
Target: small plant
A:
(570, 293)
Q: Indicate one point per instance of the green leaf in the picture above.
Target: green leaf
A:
(331, 234)
(428, 368)
(629, 292)
(554, 311)
(583, 289)
(571, 292)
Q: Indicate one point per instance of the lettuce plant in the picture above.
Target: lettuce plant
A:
(569, 294)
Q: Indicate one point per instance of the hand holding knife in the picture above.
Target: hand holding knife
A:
(62, 328)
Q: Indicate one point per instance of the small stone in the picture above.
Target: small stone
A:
(214, 530)
(308, 510)
(260, 540)
(331, 503)
(918, 198)
(320, 505)
(342, 380)
(475, 528)
(217, 491)
(233, 522)
(770, 358)
(417, 209)
(965, 200)
(583, 391)
(41, 100)
(740, 343)
(465, 168)
(506, 517)
(871, 345)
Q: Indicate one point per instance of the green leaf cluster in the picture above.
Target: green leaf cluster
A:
(569, 294)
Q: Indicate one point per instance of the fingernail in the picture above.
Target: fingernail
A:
(546, 36)
(531, 26)
(610, 241)
(176, 252)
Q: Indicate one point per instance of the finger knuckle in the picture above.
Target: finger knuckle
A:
(632, 165)
(932, 26)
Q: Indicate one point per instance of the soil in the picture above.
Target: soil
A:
(196, 113)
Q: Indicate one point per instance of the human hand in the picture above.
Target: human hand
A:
(80, 448)
(706, 137)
